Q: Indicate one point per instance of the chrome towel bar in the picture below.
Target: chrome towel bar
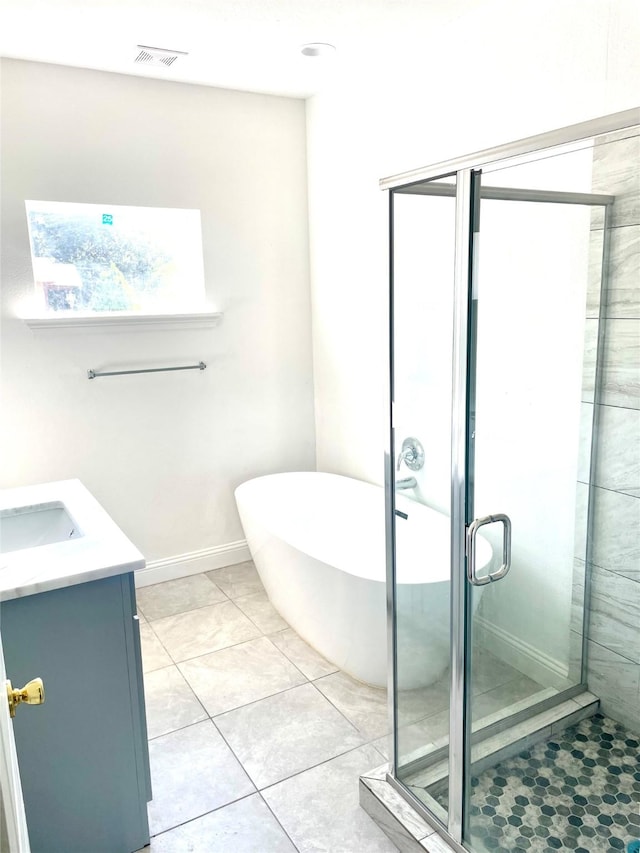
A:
(93, 374)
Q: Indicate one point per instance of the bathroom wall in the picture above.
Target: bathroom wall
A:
(479, 83)
(162, 452)
(614, 617)
(504, 72)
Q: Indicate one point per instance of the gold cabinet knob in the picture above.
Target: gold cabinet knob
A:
(32, 693)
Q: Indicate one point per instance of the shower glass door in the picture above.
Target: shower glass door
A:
(536, 271)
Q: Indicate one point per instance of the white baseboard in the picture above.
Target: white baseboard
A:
(526, 658)
(192, 563)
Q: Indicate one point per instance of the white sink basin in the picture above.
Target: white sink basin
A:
(54, 535)
(32, 526)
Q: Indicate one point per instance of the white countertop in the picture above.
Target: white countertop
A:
(102, 551)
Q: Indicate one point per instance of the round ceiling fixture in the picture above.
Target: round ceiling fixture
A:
(317, 48)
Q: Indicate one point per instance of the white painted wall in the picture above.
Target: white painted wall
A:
(508, 71)
(161, 452)
(505, 72)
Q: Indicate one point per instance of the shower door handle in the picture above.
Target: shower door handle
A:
(471, 549)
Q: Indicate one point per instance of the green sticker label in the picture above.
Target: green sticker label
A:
(107, 219)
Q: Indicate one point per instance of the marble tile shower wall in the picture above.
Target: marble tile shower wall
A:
(614, 617)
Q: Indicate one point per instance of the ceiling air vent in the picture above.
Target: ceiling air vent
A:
(157, 55)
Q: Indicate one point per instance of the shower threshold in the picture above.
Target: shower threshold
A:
(429, 785)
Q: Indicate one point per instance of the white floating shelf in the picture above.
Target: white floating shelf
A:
(201, 319)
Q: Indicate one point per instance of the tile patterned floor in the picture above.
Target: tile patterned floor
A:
(248, 725)
(578, 791)
(256, 741)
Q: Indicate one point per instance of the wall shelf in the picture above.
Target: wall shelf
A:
(202, 319)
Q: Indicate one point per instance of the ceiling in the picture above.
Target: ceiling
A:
(251, 45)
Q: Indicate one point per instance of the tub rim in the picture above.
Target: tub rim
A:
(361, 569)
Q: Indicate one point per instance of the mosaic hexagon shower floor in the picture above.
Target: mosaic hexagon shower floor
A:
(578, 791)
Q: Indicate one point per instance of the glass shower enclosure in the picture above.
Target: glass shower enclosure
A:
(515, 333)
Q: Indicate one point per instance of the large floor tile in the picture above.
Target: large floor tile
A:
(308, 661)
(241, 579)
(239, 675)
(260, 610)
(423, 701)
(320, 809)
(420, 736)
(503, 697)
(154, 654)
(246, 826)
(178, 596)
(171, 704)
(205, 630)
(490, 672)
(383, 745)
(193, 772)
(366, 707)
(287, 733)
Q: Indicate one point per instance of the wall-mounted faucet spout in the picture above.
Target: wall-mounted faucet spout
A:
(407, 483)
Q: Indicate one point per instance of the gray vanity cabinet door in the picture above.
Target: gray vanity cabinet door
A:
(83, 753)
(136, 684)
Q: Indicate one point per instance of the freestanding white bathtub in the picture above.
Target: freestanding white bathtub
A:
(318, 543)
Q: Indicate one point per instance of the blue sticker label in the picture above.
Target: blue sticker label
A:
(107, 219)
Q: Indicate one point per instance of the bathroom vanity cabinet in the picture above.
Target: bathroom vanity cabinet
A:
(83, 755)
